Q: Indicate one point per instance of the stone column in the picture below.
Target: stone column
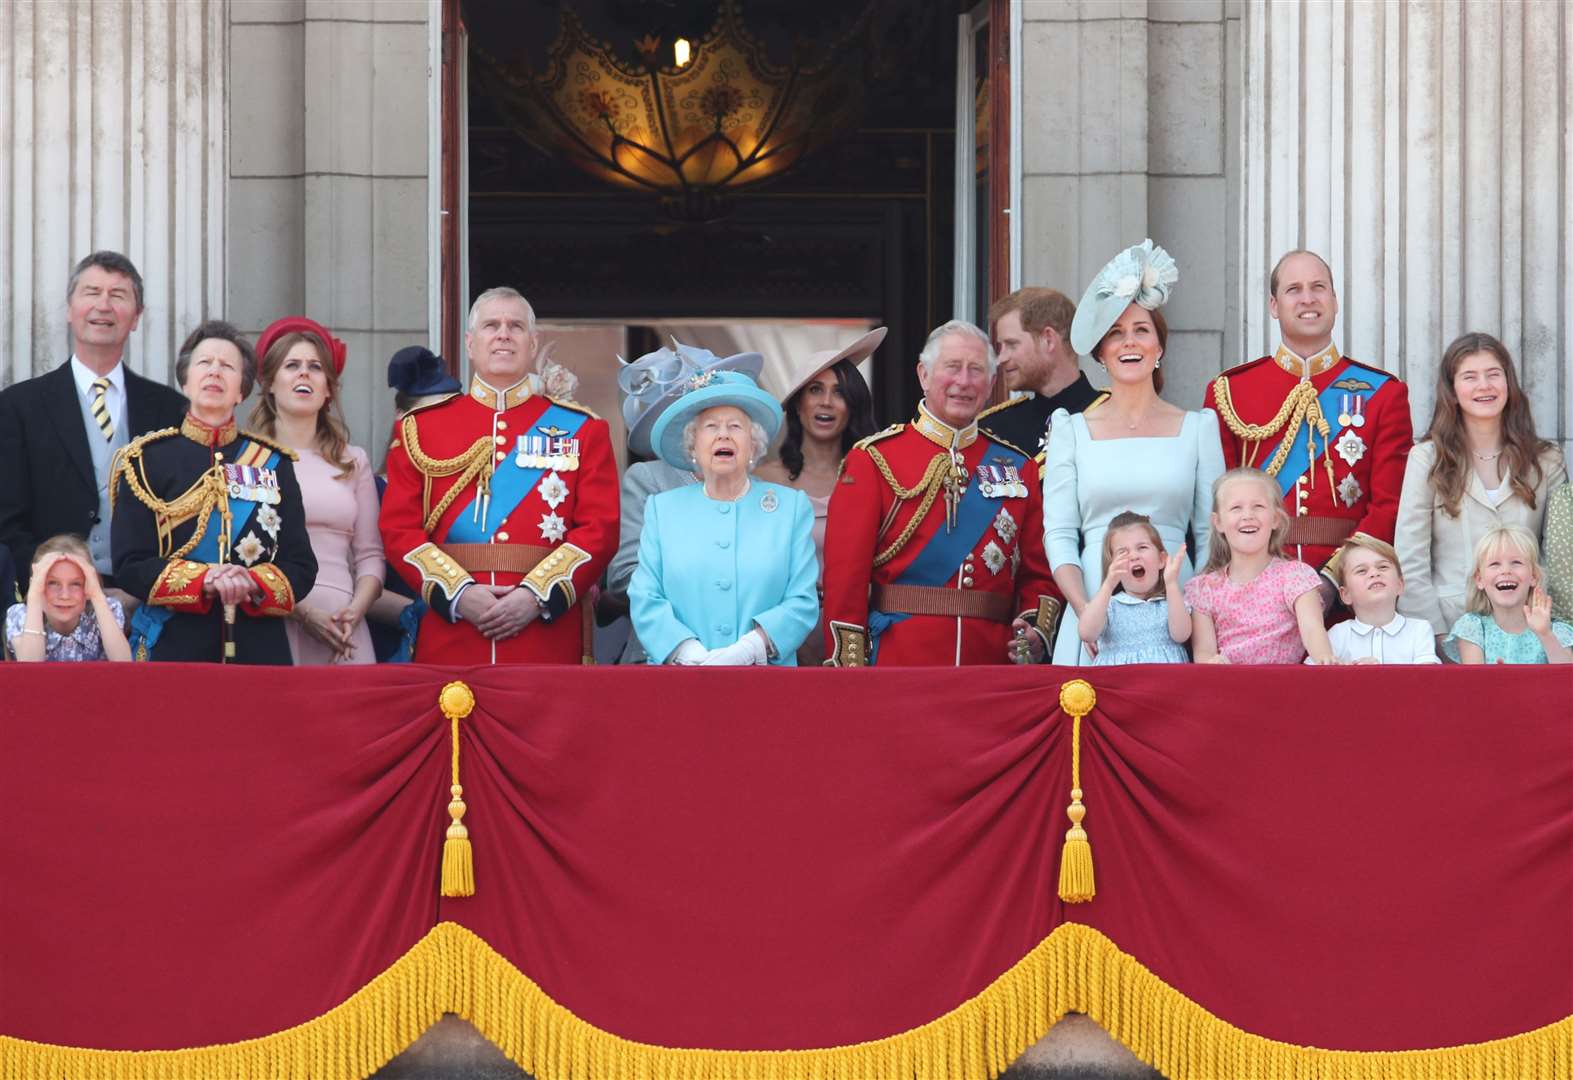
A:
(329, 214)
(1130, 123)
(1421, 147)
(112, 135)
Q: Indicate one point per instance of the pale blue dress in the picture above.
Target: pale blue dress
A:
(711, 569)
(1137, 632)
(1087, 481)
(1497, 644)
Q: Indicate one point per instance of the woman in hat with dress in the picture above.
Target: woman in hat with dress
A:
(299, 407)
(827, 409)
(726, 566)
(1132, 452)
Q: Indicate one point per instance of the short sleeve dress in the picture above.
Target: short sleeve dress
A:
(1499, 645)
(1255, 621)
(1137, 632)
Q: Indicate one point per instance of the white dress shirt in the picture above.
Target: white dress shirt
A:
(114, 397)
(1400, 641)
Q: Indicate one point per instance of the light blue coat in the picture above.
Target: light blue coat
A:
(711, 570)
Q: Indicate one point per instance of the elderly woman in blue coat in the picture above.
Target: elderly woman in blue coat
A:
(726, 567)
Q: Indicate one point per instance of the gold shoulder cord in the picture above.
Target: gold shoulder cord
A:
(474, 464)
(1299, 407)
(197, 501)
(929, 487)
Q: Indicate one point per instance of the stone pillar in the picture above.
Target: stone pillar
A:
(329, 214)
(1421, 147)
(1131, 119)
(112, 135)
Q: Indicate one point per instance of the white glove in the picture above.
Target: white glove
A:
(745, 651)
(689, 652)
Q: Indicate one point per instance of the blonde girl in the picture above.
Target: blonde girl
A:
(67, 615)
(1509, 618)
(1138, 615)
(1250, 605)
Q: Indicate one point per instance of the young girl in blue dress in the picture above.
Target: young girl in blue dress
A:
(1138, 615)
(1509, 617)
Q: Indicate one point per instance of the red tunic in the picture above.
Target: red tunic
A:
(572, 522)
(1366, 460)
(867, 517)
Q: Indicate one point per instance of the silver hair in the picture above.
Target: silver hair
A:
(930, 351)
(756, 434)
(502, 292)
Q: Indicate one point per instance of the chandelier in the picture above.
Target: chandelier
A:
(689, 121)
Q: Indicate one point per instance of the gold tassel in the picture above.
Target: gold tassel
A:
(458, 861)
(1077, 884)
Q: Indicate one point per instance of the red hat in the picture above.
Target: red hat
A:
(299, 324)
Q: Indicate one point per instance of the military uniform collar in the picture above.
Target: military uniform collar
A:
(1306, 367)
(205, 434)
(937, 431)
(500, 400)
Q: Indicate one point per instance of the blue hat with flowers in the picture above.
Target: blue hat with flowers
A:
(1141, 275)
(707, 390)
(651, 383)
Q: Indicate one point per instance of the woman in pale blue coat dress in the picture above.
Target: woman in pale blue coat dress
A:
(1134, 451)
(727, 569)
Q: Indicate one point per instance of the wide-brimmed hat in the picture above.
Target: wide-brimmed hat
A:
(805, 371)
(651, 383)
(707, 390)
(417, 371)
(1142, 275)
(299, 324)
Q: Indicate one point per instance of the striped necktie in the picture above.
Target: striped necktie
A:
(101, 408)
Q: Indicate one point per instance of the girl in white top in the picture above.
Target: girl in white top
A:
(1479, 467)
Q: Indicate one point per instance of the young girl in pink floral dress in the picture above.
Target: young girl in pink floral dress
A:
(1250, 605)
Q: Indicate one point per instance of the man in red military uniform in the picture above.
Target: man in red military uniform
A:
(934, 546)
(1333, 432)
(501, 505)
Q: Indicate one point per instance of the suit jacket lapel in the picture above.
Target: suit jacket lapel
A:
(66, 413)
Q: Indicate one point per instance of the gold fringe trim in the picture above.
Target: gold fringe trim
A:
(1074, 969)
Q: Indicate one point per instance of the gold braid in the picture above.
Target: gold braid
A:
(932, 483)
(474, 464)
(198, 500)
(1300, 406)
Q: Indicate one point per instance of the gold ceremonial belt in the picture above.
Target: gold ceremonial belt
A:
(496, 558)
(927, 600)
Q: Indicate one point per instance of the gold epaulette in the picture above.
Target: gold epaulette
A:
(1002, 406)
(1007, 444)
(568, 403)
(129, 453)
(1095, 402)
(870, 440)
(271, 444)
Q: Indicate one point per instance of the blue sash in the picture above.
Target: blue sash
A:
(1299, 457)
(511, 485)
(147, 622)
(936, 564)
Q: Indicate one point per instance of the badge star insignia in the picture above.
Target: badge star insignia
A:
(553, 528)
(249, 549)
(993, 557)
(1005, 525)
(1350, 447)
(1349, 490)
(553, 490)
(268, 518)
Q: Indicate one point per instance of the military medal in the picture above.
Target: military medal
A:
(993, 557)
(1349, 490)
(985, 482)
(1352, 413)
(1005, 525)
(552, 490)
(1358, 419)
(1350, 447)
(768, 503)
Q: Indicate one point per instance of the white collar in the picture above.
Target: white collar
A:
(85, 375)
(1392, 629)
(1124, 597)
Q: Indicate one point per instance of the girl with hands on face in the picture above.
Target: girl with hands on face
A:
(1138, 615)
(67, 615)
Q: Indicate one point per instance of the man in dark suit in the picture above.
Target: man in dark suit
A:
(58, 431)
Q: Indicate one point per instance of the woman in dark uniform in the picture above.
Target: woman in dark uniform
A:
(208, 530)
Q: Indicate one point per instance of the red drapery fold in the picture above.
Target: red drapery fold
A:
(1356, 859)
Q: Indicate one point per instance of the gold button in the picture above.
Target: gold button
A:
(501, 455)
(502, 538)
(1301, 480)
(966, 583)
(502, 425)
(1303, 511)
(501, 439)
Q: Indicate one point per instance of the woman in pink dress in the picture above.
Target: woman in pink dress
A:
(301, 364)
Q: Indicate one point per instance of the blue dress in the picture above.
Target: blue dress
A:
(1137, 632)
(1087, 481)
(711, 570)
(1497, 644)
